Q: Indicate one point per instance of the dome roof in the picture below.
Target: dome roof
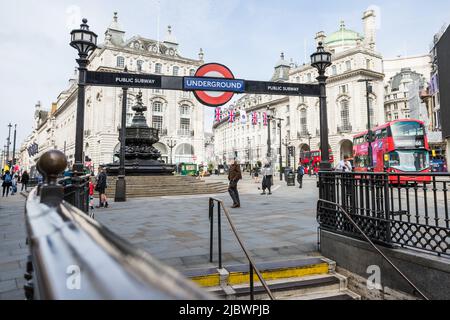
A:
(343, 37)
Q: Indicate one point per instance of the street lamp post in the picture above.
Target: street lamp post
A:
(84, 41)
(121, 184)
(171, 144)
(369, 125)
(321, 60)
(14, 146)
(8, 143)
(269, 147)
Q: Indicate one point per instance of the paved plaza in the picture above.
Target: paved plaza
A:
(13, 249)
(176, 229)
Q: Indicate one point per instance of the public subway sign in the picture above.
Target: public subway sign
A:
(213, 84)
(125, 80)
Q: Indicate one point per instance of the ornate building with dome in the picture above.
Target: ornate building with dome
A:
(177, 115)
(354, 58)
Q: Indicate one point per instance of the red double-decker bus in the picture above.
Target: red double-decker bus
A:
(400, 146)
(312, 159)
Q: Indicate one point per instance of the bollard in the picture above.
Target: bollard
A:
(50, 165)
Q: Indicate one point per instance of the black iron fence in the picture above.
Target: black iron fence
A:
(76, 191)
(392, 209)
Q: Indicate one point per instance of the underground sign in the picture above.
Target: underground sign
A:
(214, 84)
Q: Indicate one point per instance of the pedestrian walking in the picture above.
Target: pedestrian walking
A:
(15, 177)
(24, 180)
(101, 188)
(234, 175)
(7, 182)
(267, 182)
(300, 174)
(256, 174)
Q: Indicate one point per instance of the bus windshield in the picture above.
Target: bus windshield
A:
(409, 161)
(408, 134)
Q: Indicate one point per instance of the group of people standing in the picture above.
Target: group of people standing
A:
(10, 180)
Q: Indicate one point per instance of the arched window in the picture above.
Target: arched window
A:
(158, 68)
(157, 107)
(120, 62)
(345, 115)
(185, 110)
(334, 70)
(176, 71)
(303, 121)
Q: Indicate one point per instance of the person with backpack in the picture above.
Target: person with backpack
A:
(300, 174)
(234, 175)
(267, 182)
(7, 182)
(101, 188)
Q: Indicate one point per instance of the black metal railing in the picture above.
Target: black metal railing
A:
(324, 204)
(252, 266)
(76, 191)
(74, 257)
(393, 209)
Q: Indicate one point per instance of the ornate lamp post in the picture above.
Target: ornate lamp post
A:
(321, 60)
(84, 41)
(8, 143)
(171, 143)
(14, 146)
(269, 147)
(369, 125)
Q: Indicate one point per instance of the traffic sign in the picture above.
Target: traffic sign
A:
(214, 74)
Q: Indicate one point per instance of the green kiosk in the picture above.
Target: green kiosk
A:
(188, 169)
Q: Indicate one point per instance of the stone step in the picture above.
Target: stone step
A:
(301, 279)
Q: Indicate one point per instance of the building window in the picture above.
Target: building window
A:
(139, 65)
(185, 126)
(157, 122)
(395, 106)
(303, 121)
(157, 107)
(348, 65)
(120, 62)
(395, 116)
(334, 70)
(185, 110)
(395, 96)
(367, 64)
(343, 89)
(345, 114)
(309, 77)
(158, 68)
(191, 72)
(176, 71)
(287, 109)
(407, 115)
(288, 121)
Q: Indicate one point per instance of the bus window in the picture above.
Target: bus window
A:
(408, 134)
(409, 161)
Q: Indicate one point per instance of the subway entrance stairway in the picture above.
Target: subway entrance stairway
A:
(310, 278)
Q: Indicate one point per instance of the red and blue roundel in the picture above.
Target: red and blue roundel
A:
(212, 73)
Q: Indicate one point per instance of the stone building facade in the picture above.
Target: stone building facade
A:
(176, 114)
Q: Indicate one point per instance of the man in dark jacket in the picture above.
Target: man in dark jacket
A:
(24, 180)
(300, 174)
(234, 175)
(101, 187)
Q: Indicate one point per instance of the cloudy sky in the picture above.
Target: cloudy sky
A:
(245, 35)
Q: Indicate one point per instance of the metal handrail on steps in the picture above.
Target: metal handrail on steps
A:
(349, 218)
(252, 266)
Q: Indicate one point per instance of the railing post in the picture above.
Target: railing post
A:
(252, 293)
(211, 229)
(219, 235)
(50, 165)
(387, 208)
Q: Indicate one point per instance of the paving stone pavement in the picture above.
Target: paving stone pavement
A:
(175, 230)
(13, 249)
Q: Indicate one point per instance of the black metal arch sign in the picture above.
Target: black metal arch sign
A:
(213, 84)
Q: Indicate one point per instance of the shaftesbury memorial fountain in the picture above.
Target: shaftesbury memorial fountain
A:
(141, 157)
